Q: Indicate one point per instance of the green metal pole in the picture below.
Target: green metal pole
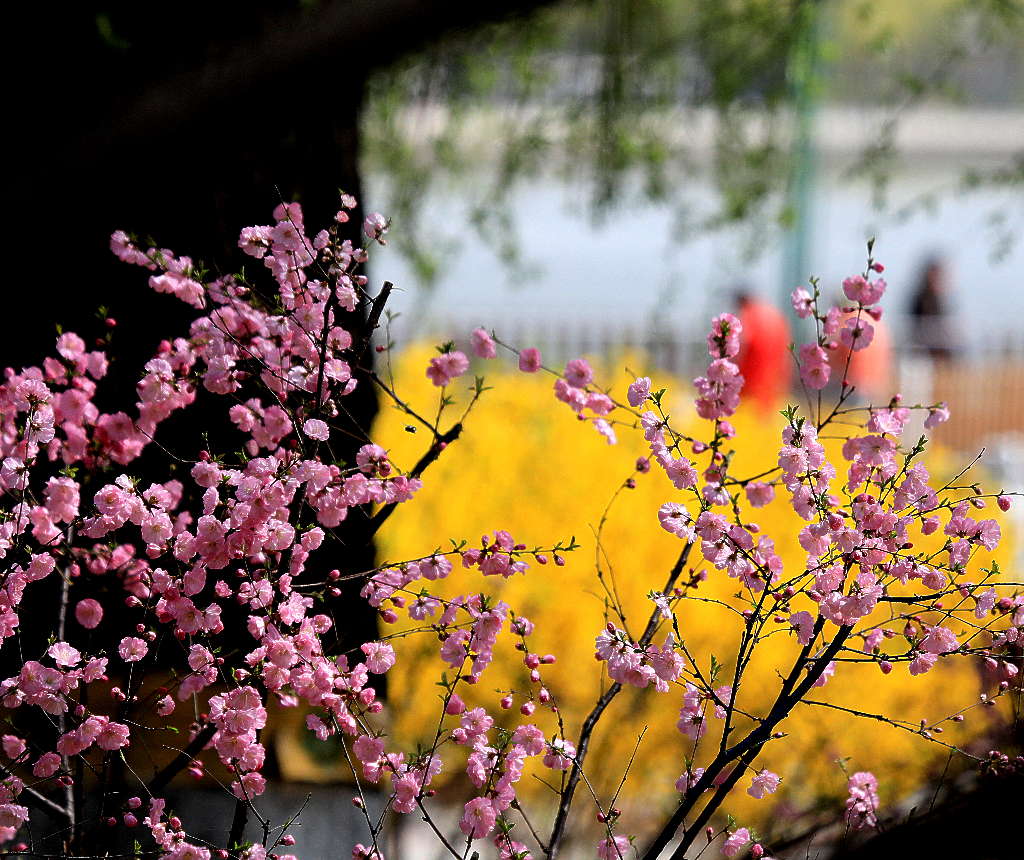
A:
(799, 210)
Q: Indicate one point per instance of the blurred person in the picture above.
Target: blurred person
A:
(931, 329)
(764, 358)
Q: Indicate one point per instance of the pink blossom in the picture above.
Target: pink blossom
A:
(446, 367)
(803, 623)
(724, 339)
(859, 289)
(759, 493)
(578, 373)
(681, 472)
(13, 746)
(936, 416)
(560, 754)
(689, 779)
(675, 519)
(314, 428)
(64, 655)
(803, 303)
(252, 784)
(567, 393)
(88, 613)
(862, 804)
(478, 818)
(606, 430)
(529, 360)
(814, 366)
(375, 226)
(736, 842)
(598, 403)
(47, 765)
(764, 782)
(856, 334)
(639, 391)
(379, 656)
(112, 736)
(922, 663)
(483, 344)
(132, 649)
(614, 848)
(939, 640)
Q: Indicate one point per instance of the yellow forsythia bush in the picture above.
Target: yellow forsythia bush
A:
(526, 464)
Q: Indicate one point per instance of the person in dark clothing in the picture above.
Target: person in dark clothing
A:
(929, 311)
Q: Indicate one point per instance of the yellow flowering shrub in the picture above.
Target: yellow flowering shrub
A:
(526, 464)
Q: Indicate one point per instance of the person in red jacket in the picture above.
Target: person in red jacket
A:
(764, 358)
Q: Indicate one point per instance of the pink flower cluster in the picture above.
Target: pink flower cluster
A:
(862, 803)
(629, 663)
(157, 566)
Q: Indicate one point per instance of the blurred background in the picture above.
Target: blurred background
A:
(587, 177)
(611, 174)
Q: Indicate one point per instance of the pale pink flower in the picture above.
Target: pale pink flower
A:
(674, 518)
(529, 360)
(736, 842)
(483, 344)
(613, 849)
(639, 391)
(13, 746)
(922, 663)
(446, 367)
(859, 289)
(814, 366)
(478, 818)
(379, 656)
(47, 765)
(939, 640)
(759, 493)
(938, 415)
(375, 226)
(862, 804)
(724, 339)
(560, 754)
(88, 613)
(578, 373)
(314, 428)
(803, 623)
(763, 783)
(64, 654)
(856, 334)
(606, 430)
(112, 736)
(803, 303)
(132, 649)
